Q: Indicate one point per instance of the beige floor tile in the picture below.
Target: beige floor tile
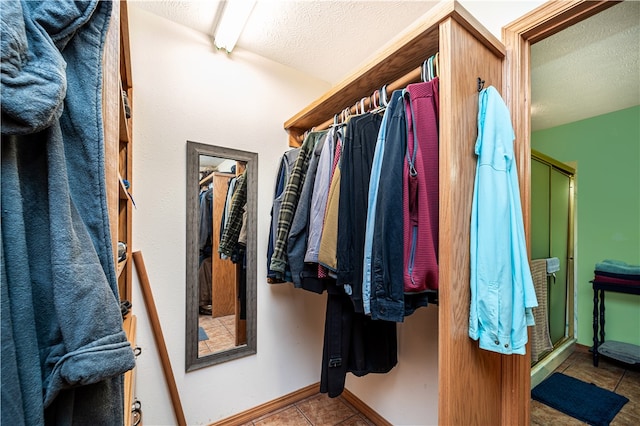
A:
(220, 343)
(543, 415)
(606, 375)
(628, 415)
(356, 420)
(324, 411)
(629, 385)
(228, 321)
(287, 417)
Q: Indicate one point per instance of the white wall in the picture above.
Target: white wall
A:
(494, 15)
(184, 90)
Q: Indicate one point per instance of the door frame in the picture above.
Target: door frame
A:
(542, 22)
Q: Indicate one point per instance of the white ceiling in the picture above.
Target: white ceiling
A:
(586, 70)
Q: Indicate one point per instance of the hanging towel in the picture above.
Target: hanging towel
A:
(540, 338)
(553, 265)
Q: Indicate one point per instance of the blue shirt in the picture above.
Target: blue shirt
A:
(502, 292)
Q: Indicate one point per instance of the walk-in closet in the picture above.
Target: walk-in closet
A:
(481, 236)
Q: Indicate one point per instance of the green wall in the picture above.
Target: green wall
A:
(606, 151)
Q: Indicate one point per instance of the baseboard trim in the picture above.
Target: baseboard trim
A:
(293, 397)
(261, 410)
(357, 403)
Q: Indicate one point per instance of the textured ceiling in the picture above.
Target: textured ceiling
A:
(586, 70)
(328, 39)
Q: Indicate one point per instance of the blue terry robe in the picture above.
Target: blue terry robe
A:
(63, 347)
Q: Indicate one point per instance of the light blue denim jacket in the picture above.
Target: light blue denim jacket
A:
(502, 292)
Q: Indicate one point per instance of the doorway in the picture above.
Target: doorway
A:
(547, 20)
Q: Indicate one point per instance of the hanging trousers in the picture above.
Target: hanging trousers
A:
(353, 342)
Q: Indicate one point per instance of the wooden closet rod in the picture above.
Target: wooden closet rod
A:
(401, 83)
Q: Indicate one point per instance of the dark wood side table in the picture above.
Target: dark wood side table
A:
(599, 289)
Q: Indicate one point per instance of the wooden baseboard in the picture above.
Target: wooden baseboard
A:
(261, 410)
(357, 403)
(293, 397)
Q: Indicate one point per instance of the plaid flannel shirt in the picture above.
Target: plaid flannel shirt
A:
(231, 232)
(290, 202)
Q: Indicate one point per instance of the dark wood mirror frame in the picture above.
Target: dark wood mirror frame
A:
(194, 150)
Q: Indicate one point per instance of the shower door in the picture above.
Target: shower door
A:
(551, 236)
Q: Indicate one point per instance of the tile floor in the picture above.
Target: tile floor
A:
(316, 410)
(320, 410)
(609, 375)
(221, 332)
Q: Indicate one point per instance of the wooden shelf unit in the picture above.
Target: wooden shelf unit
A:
(599, 289)
(118, 166)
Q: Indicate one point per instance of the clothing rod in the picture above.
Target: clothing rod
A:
(401, 83)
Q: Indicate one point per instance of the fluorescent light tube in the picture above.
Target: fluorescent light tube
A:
(234, 17)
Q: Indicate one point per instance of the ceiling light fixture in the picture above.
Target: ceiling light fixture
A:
(234, 17)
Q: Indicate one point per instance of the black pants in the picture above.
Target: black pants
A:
(354, 343)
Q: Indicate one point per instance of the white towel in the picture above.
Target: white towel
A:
(553, 265)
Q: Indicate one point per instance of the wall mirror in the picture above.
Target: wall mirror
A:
(222, 189)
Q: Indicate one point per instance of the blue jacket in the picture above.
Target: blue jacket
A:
(372, 203)
(63, 347)
(502, 292)
(386, 300)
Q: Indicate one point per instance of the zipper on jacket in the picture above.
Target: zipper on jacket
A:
(412, 255)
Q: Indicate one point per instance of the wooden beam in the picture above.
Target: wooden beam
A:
(159, 337)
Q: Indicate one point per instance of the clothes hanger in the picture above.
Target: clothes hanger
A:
(344, 115)
(436, 65)
(373, 103)
(423, 72)
(377, 102)
(384, 97)
(432, 74)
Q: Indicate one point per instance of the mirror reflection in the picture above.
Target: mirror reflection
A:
(222, 238)
(221, 254)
